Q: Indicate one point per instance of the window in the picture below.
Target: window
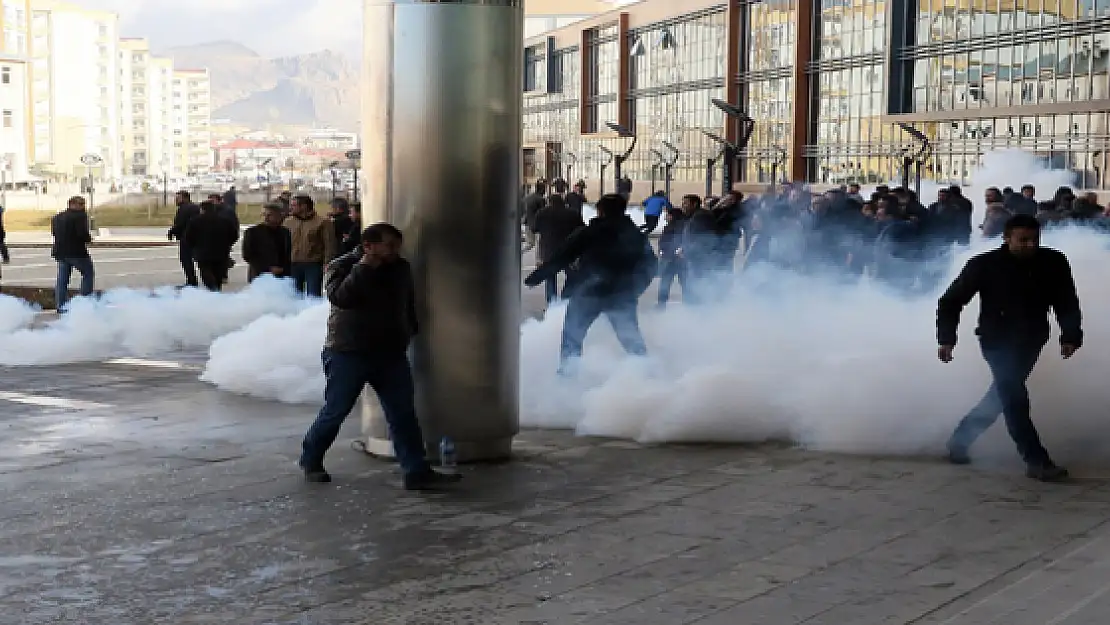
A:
(7, 118)
(6, 75)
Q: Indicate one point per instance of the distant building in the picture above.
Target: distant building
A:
(15, 125)
(329, 138)
(244, 156)
(192, 119)
(135, 107)
(75, 89)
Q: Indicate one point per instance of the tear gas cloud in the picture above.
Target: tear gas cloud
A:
(138, 323)
(833, 366)
(14, 314)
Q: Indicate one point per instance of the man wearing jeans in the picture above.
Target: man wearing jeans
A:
(71, 249)
(314, 245)
(372, 320)
(1017, 284)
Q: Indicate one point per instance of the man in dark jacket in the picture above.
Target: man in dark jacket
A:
(5, 257)
(210, 238)
(576, 198)
(1017, 284)
(532, 206)
(341, 222)
(616, 264)
(670, 265)
(554, 225)
(697, 248)
(186, 212)
(71, 250)
(372, 321)
(268, 246)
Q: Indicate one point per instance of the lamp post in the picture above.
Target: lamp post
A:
(269, 187)
(90, 160)
(731, 151)
(355, 156)
(668, 168)
(914, 159)
(656, 166)
(604, 165)
(619, 159)
(334, 179)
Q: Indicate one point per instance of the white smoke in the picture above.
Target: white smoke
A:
(14, 314)
(144, 323)
(832, 366)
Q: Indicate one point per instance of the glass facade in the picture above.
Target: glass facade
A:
(972, 76)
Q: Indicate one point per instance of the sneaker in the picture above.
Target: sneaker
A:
(958, 454)
(429, 480)
(1048, 472)
(315, 473)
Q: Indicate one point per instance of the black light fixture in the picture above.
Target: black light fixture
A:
(667, 40)
(624, 133)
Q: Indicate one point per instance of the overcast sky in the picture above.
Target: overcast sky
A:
(270, 27)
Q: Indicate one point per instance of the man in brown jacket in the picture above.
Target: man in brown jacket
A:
(314, 245)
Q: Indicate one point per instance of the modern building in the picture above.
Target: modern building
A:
(74, 89)
(135, 107)
(330, 139)
(826, 84)
(16, 138)
(161, 153)
(192, 120)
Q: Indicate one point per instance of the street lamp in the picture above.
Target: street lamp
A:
(914, 159)
(604, 165)
(657, 165)
(668, 168)
(570, 166)
(619, 159)
(729, 151)
(355, 156)
(269, 186)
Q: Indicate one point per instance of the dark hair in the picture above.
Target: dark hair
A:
(341, 204)
(612, 204)
(377, 233)
(693, 199)
(1028, 187)
(304, 199)
(273, 207)
(207, 206)
(356, 207)
(1021, 221)
(675, 213)
(560, 185)
(541, 187)
(556, 201)
(184, 195)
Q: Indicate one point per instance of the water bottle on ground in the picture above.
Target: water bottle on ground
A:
(448, 461)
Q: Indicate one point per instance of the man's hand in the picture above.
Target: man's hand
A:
(1067, 350)
(944, 353)
(277, 271)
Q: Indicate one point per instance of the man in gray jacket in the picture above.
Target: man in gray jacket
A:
(372, 321)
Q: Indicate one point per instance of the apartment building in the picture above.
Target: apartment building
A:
(15, 120)
(74, 88)
(192, 120)
(135, 108)
(161, 154)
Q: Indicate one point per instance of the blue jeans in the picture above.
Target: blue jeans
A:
(65, 269)
(309, 278)
(391, 378)
(1010, 366)
(583, 311)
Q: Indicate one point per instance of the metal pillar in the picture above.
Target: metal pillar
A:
(442, 99)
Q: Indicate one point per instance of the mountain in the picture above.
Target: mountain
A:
(320, 88)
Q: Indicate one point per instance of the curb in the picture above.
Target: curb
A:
(95, 244)
(41, 296)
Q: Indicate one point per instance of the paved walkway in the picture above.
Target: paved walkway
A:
(133, 494)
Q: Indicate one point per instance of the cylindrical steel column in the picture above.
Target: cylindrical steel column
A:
(442, 97)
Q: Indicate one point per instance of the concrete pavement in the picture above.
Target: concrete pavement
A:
(134, 494)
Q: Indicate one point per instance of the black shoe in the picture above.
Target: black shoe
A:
(1047, 472)
(958, 455)
(430, 480)
(315, 473)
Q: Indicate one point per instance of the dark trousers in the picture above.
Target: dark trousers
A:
(188, 265)
(583, 311)
(84, 266)
(4, 255)
(213, 274)
(650, 223)
(309, 278)
(670, 270)
(391, 378)
(1010, 366)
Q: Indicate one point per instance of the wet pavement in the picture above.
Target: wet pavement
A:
(134, 494)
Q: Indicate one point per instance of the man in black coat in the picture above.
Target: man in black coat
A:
(70, 229)
(1017, 284)
(372, 321)
(268, 246)
(210, 238)
(186, 212)
(554, 224)
(616, 264)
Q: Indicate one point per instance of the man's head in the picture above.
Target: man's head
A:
(303, 205)
(992, 195)
(942, 195)
(1022, 235)
(853, 188)
(1029, 191)
(340, 206)
(611, 205)
(541, 187)
(356, 211)
(382, 241)
(690, 203)
(216, 198)
(673, 214)
(76, 203)
(273, 215)
(560, 186)
(182, 197)
(208, 207)
(580, 187)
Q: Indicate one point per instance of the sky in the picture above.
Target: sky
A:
(270, 27)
